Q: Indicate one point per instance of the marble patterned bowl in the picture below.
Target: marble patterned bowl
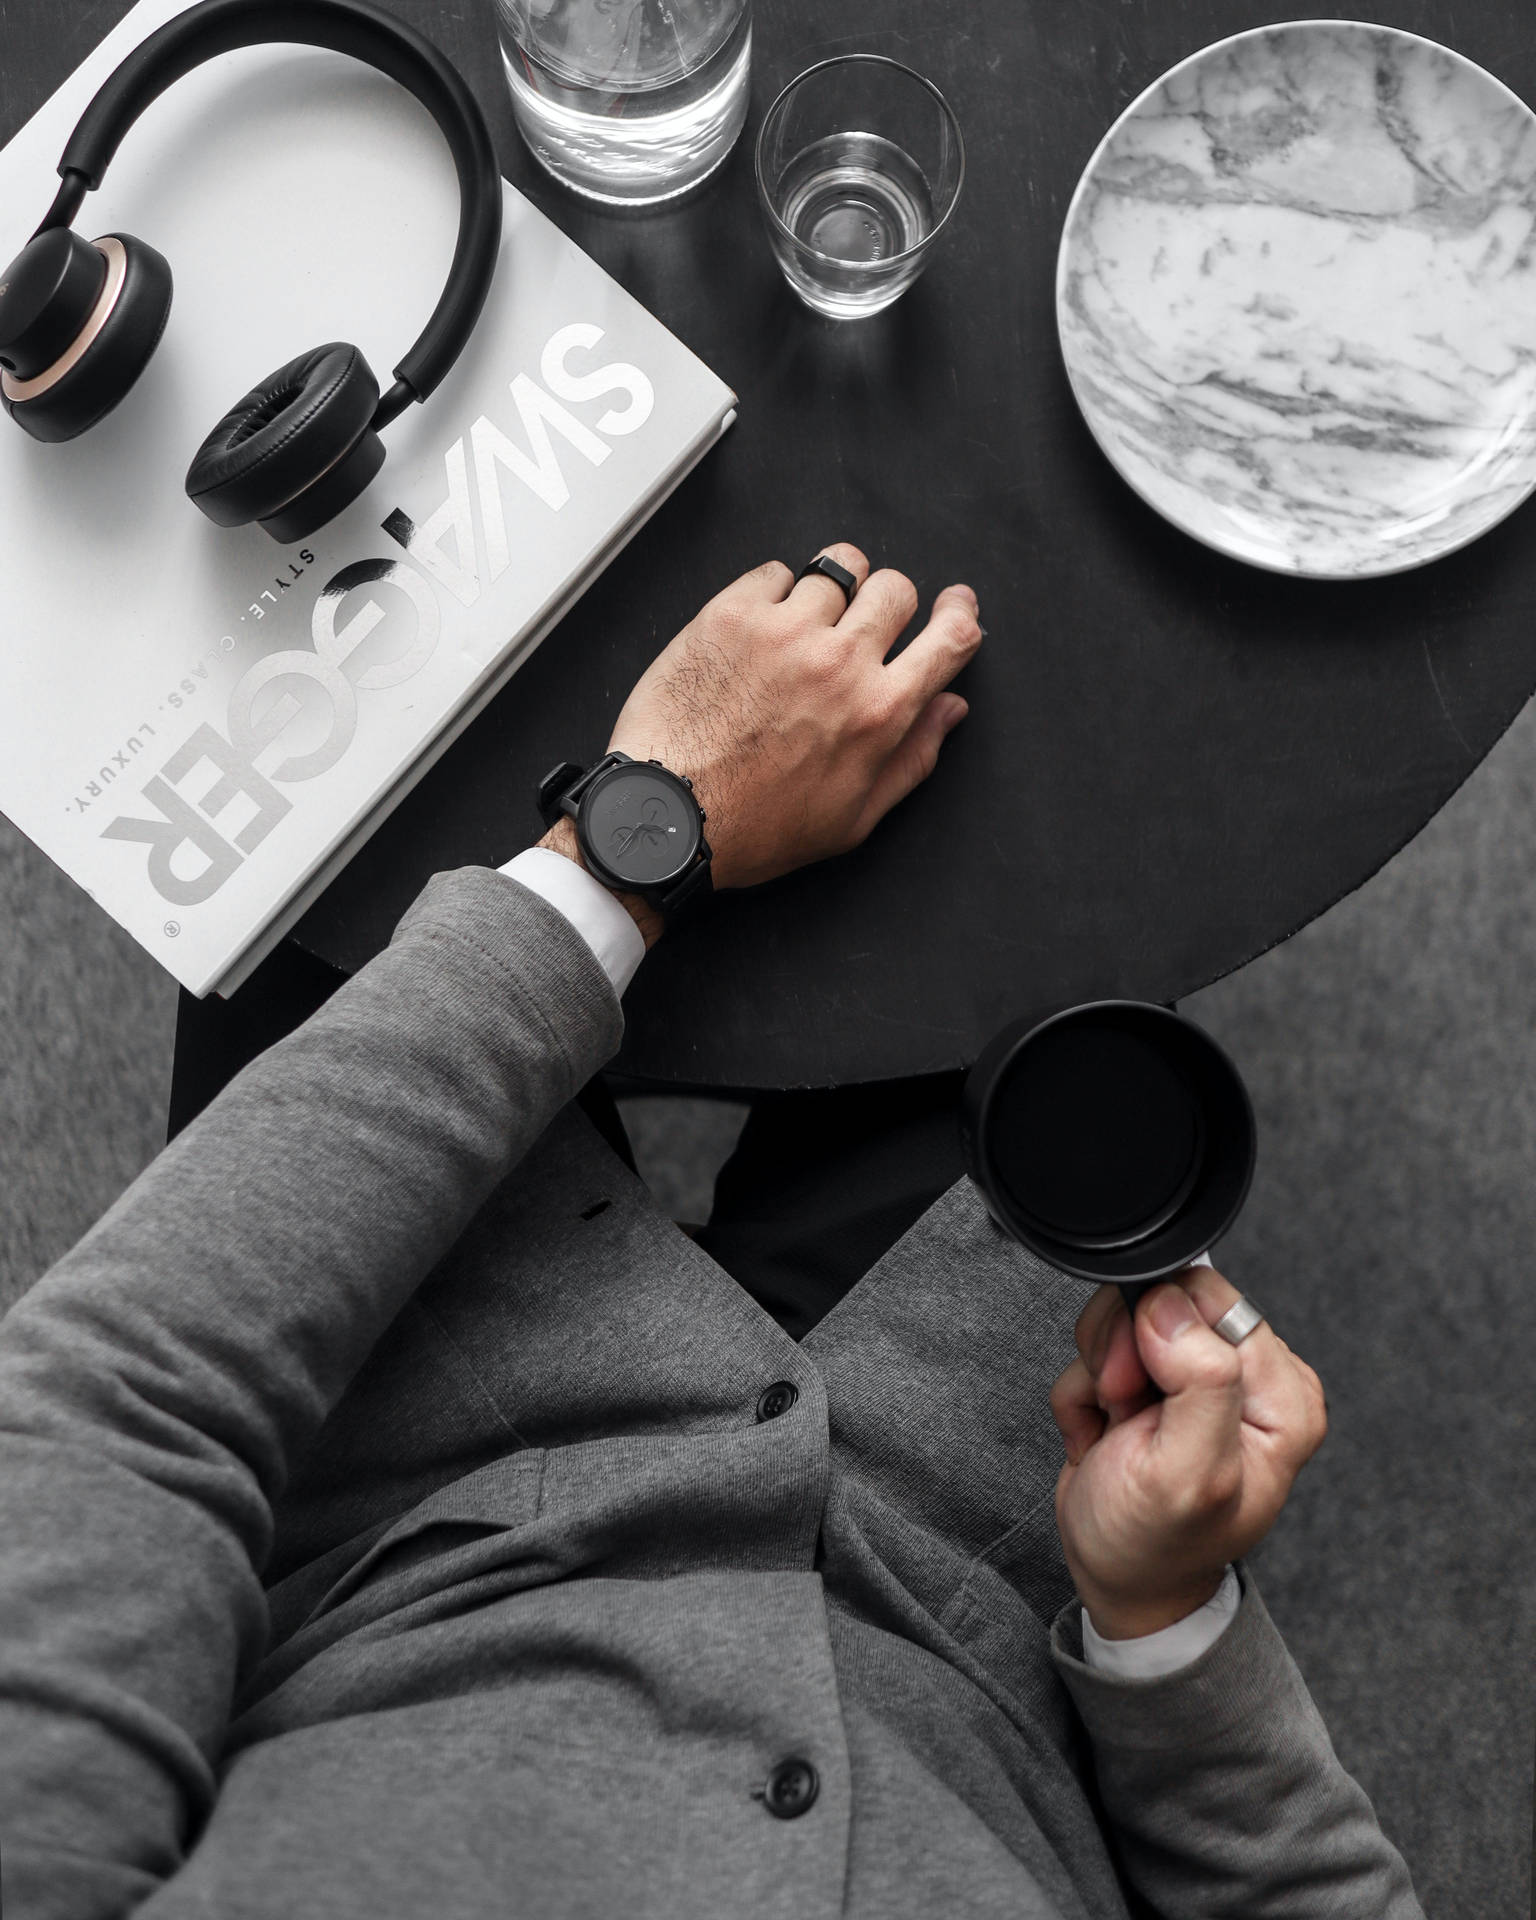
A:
(1296, 295)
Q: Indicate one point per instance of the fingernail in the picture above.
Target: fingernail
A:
(957, 711)
(981, 630)
(1173, 1312)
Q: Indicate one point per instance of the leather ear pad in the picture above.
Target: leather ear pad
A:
(285, 433)
(113, 360)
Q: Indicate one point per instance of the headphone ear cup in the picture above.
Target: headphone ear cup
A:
(108, 352)
(296, 449)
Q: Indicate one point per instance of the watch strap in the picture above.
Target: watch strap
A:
(697, 884)
(561, 788)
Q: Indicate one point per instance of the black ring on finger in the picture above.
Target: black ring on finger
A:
(839, 576)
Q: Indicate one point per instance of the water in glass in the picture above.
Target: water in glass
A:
(854, 202)
(628, 100)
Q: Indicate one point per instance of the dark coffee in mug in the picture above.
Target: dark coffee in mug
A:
(1114, 1139)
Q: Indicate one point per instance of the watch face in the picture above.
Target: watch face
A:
(641, 825)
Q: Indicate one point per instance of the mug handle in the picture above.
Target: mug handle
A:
(1132, 1290)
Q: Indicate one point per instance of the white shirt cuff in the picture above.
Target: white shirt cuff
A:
(592, 910)
(1154, 1654)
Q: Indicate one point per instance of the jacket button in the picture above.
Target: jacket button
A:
(777, 1399)
(791, 1790)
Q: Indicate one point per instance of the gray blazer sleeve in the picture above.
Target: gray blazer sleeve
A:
(156, 1383)
(1223, 1790)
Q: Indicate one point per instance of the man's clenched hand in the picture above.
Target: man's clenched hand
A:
(1157, 1495)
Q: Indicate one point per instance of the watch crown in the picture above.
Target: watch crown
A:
(703, 816)
(653, 763)
(687, 783)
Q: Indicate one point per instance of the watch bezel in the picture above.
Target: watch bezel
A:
(612, 876)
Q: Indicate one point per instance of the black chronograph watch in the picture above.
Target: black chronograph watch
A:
(638, 825)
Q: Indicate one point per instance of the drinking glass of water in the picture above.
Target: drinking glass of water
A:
(859, 165)
(628, 101)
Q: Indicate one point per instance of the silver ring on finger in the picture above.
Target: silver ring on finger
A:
(1239, 1320)
(830, 570)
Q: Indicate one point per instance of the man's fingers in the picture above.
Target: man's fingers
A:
(937, 654)
(1279, 1391)
(1076, 1411)
(1095, 1323)
(1282, 1395)
(1199, 1434)
(914, 758)
(823, 597)
(1106, 1340)
(881, 612)
(761, 587)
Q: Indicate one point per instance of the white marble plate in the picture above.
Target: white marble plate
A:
(1296, 296)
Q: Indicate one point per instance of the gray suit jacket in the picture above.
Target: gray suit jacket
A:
(387, 1529)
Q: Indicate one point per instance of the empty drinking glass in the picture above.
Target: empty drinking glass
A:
(628, 101)
(859, 165)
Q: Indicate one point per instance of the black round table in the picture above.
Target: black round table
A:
(1172, 761)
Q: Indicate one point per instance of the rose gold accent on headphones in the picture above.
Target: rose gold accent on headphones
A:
(117, 268)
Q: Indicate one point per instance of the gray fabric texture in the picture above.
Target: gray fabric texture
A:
(386, 1528)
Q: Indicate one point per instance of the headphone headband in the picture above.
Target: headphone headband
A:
(341, 26)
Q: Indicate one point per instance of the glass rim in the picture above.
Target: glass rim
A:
(845, 60)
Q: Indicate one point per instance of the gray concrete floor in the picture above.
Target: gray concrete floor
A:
(1391, 1051)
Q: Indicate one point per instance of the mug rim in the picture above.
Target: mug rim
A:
(1062, 1255)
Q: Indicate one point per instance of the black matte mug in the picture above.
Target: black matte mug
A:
(1115, 1139)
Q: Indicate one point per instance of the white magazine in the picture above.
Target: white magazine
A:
(198, 724)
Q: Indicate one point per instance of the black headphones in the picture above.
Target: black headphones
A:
(79, 319)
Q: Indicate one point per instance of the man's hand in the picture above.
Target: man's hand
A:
(1158, 1495)
(781, 708)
